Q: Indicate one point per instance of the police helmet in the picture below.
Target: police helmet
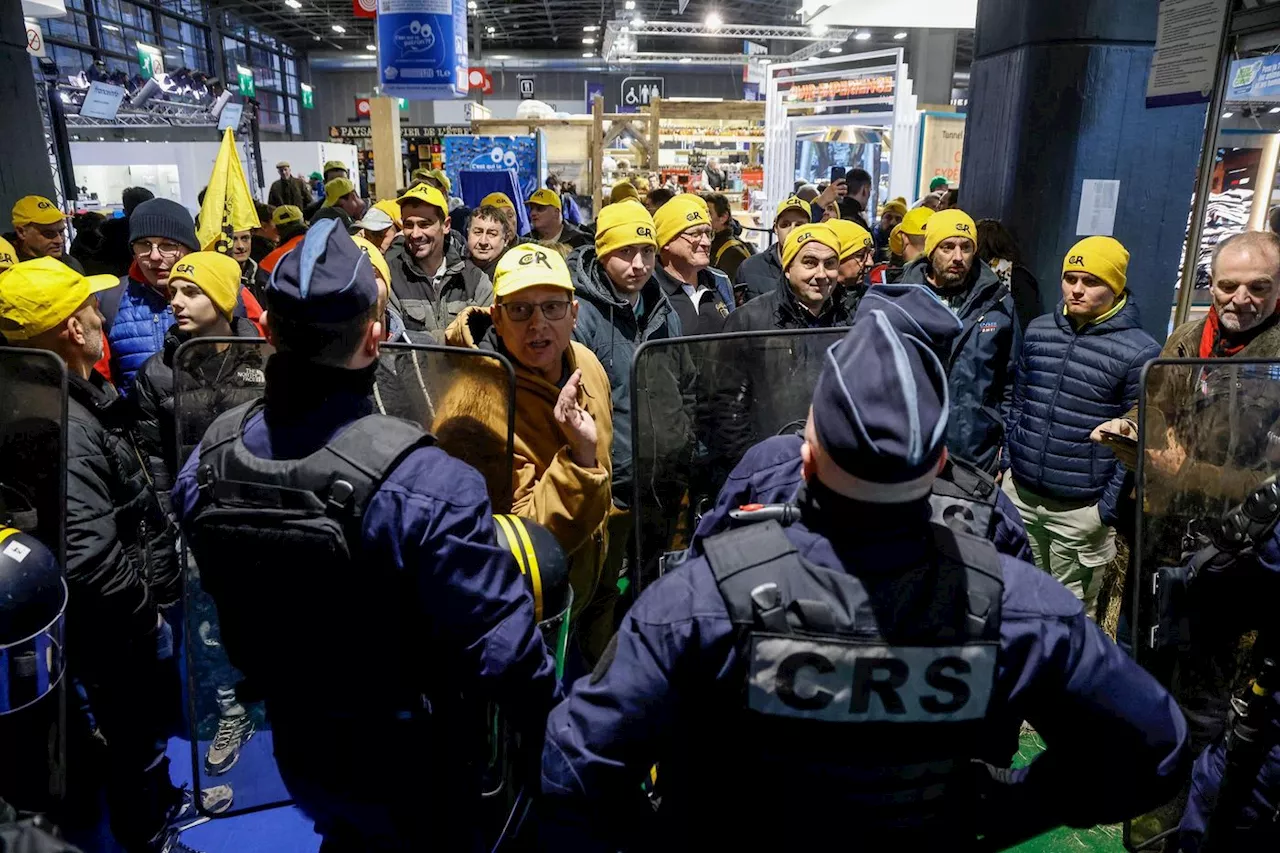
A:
(542, 562)
(33, 603)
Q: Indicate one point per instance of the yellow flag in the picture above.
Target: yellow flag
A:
(228, 205)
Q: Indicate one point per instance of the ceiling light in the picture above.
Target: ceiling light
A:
(714, 20)
(371, 47)
(500, 56)
(686, 59)
(338, 28)
(293, 4)
(490, 30)
(764, 60)
(818, 29)
(863, 36)
(587, 55)
(590, 28)
(112, 27)
(1227, 115)
(899, 36)
(835, 50)
(1274, 110)
(473, 5)
(588, 40)
(630, 5)
(637, 21)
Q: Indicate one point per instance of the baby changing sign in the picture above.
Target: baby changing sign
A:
(422, 48)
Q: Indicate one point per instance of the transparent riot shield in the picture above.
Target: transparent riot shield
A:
(33, 592)
(1209, 436)
(698, 404)
(464, 397)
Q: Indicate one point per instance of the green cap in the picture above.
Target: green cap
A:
(937, 183)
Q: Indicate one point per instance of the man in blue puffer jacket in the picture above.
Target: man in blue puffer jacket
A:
(1080, 364)
(980, 365)
(137, 312)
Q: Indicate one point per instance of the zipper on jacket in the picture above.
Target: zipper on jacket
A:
(1053, 404)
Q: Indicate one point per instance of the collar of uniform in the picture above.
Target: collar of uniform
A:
(825, 510)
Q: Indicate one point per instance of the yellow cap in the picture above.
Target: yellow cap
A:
(375, 257)
(530, 265)
(8, 254)
(946, 224)
(35, 209)
(216, 274)
(804, 234)
(623, 224)
(622, 191)
(335, 164)
(794, 203)
(1102, 257)
(336, 189)
(424, 194)
(853, 237)
(390, 208)
(497, 200)
(439, 176)
(897, 205)
(35, 296)
(640, 183)
(286, 214)
(683, 212)
(912, 225)
(546, 198)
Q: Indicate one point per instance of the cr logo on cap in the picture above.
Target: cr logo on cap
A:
(539, 258)
(184, 268)
(1076, 261)
(695, 216)
(644, 231)
(44, 205)
(962, 227)
(805, 237)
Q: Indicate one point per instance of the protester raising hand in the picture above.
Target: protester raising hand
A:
(578, 426)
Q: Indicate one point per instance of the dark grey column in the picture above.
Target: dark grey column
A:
(24, 160)
(931, 61)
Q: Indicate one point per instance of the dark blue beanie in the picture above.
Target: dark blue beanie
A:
(162, 218)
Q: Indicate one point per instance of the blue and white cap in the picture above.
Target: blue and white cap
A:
(880, 411)
(326, 278)
(916, 310)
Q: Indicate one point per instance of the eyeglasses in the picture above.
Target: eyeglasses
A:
(168, 251)
(697, 235)
(521, 312)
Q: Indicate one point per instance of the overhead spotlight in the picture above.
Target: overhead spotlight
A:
(588, 40)
(317, 38)
(714, 21)
(764, 60)
(863, 36)
(1228, 115)
(293, 4)
(371, 47)
(630, 5)
(490, 30)
(1274, 110)
(590, 28)
(834, 50)
(686, 59)
(637, 22)
(818, 29)
(899, 36)
(338, 28)
(473, 5)
(587, 55)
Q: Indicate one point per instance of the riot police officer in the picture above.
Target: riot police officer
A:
(858, 678)
(350, 557)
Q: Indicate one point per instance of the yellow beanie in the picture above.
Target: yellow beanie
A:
(623, 224)
(375, 257)
(800, 235)
(912, 225)
(216, 274)
(946, 224)
(897, 205)
(8, 254)
(1102, 257)
(622, 191)
(677, 216)
(853, 237)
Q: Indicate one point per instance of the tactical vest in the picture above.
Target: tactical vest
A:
(305, 607)
(863, 699)
(964, 498)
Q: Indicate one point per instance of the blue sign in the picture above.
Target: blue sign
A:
(494, 154)
(422, 48)
(1256, 79)
(594, 89)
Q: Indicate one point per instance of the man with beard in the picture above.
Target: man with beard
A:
(431, 285)
(40, 231)
(982, 359)
(488, 236)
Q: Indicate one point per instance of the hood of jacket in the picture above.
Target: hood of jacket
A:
(985, 289)
(590, 283)
(1128, 317)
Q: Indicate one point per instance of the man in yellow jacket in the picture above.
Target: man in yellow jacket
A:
(564, 426)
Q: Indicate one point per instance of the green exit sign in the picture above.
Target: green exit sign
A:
(245, 81)
(308, 97)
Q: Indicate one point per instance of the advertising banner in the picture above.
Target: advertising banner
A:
(941, 149)
(1256, 79)
(422, 48)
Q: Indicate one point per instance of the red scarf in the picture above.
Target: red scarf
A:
(1214, 344)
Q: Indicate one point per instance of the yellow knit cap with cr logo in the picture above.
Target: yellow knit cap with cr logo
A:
(1102, 257)
(677, 216)
(623, 224)
(946, 224)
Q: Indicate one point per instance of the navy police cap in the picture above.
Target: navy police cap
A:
(327, 278)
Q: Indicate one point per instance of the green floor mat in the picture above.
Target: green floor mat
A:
(1100, 839)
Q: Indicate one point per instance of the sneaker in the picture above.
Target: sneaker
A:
(233, 733)
(173, 843)
(214, 800)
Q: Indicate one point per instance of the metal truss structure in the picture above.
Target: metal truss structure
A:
(619, 42)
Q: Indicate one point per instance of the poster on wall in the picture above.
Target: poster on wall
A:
(1255, 80)
(941, 149)
(494, 154)
(1185, 61)
(422, 48)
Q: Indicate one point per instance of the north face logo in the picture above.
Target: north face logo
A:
(1075, 261)
(539, 258)
(644, 231)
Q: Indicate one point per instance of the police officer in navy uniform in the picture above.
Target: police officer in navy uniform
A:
(358, 582)
(964, 496)
(859, 677)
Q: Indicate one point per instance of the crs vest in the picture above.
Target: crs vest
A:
(304, 606)
(964, 499)
(845, 729)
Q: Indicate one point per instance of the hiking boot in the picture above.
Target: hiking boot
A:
(232, 734)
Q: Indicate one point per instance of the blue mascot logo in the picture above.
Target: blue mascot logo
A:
(415, 38)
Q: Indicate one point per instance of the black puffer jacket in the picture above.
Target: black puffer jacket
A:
(121, 563)
(759, 274)
(781, 310)
(211, 383)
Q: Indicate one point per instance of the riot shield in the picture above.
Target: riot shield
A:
(464, 397)
(1209, 436)
(33, 592)
(698, 404)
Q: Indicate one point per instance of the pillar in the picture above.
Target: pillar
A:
(932, 63)
(1058, 95)
(24, 160)
(388, 166)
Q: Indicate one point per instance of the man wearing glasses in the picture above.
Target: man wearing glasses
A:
(40, 231)
(701, 295)
(564, 421)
